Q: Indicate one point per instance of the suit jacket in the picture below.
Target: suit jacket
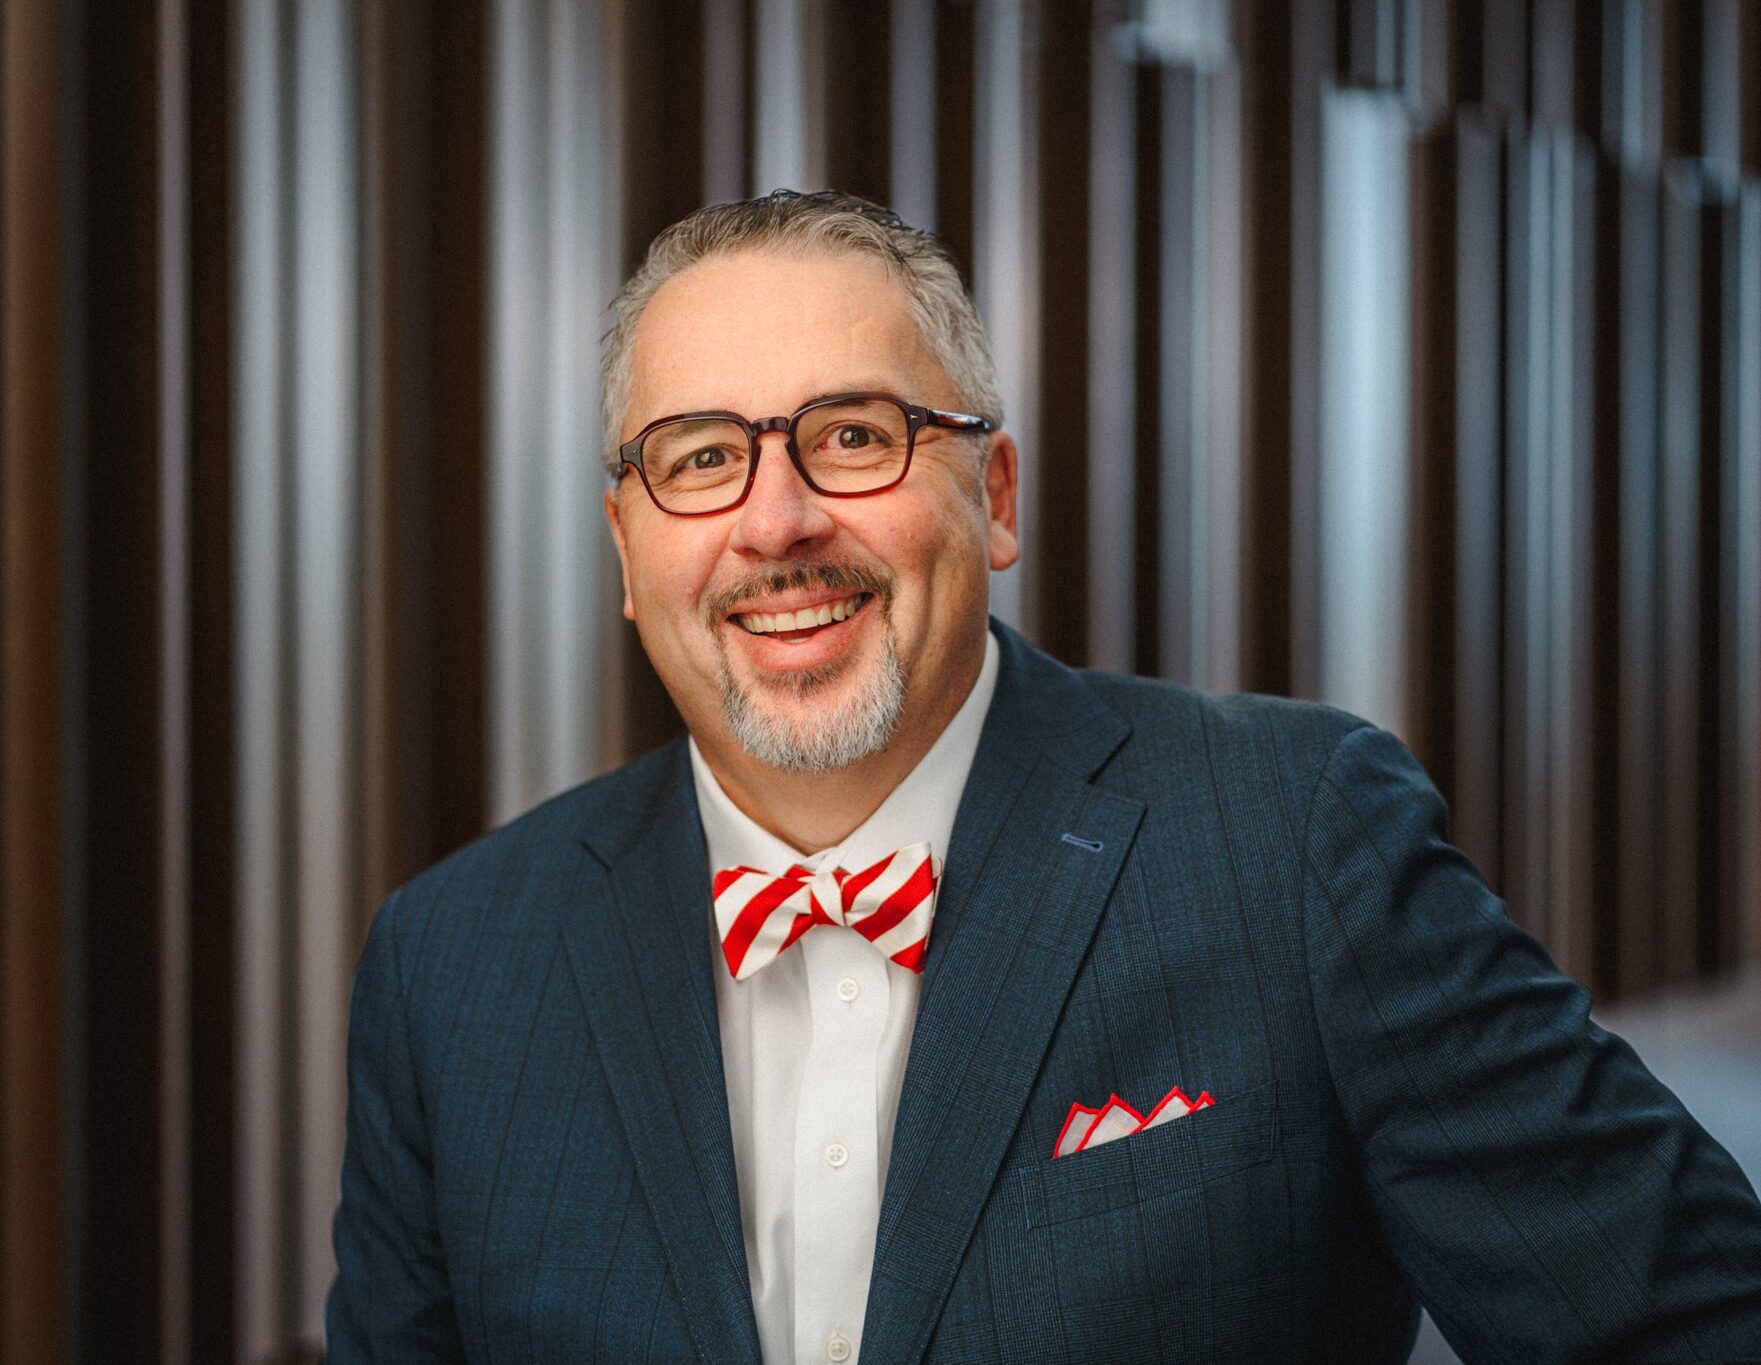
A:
(1256, 898)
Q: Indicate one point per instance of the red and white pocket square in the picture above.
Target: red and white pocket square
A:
(1085, 1127)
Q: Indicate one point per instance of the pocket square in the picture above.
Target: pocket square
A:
(1086, 1127)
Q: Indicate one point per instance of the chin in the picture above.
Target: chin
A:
(805, 722)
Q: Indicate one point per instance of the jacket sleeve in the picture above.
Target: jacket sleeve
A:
(1549, 1198)
(391, 1300)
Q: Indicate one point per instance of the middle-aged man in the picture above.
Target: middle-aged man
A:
(934, 1000)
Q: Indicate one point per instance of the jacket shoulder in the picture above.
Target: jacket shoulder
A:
(523, 864)
(1238, 736)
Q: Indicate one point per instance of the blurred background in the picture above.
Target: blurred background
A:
(1401, 353)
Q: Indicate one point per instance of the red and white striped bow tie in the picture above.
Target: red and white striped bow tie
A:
(759, 914)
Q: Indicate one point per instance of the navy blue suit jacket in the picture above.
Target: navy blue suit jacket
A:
(1257, 900)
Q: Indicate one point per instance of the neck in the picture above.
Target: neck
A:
(812, 811)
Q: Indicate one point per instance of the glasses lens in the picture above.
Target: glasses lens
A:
(853, 447)
(696, 466)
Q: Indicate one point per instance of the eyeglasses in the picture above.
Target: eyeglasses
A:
(846, 446)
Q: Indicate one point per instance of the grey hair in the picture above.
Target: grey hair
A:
(825, 221)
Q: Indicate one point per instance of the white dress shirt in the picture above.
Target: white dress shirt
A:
(814, 1048)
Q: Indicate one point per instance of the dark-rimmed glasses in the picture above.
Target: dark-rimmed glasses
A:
(847, 446)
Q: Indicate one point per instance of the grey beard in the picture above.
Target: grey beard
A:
(824, 740)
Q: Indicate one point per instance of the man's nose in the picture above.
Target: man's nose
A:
(781, 514)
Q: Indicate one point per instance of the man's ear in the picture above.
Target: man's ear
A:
(614, 516)
(1000, 477)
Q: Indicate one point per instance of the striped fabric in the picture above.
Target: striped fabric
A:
(759, 914)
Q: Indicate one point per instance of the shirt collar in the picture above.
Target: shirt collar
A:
(920, 809)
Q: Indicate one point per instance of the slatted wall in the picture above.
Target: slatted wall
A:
(1400, 353)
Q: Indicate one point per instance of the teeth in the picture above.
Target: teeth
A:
(765, 623)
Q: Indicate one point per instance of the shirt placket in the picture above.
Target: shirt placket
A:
(837, 1161)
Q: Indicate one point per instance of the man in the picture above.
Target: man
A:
(935, 1000)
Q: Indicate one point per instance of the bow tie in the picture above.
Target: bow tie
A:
(758, 914)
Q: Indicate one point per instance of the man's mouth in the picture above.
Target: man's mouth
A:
(804, 623)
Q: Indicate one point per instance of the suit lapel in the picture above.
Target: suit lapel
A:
(1018, 906)
(641, 956)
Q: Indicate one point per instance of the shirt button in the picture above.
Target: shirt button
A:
(837, 1347)
(848, 989)
(836, 1154)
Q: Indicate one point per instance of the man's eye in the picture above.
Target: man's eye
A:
(852, 437)
(708, 459)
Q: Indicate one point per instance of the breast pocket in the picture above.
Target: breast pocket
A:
(1235, 1134)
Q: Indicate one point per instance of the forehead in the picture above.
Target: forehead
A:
(760, 333)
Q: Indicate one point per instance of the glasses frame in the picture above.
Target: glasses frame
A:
(917, 417)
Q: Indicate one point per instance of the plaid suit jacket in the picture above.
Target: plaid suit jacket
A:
(1411, 1103)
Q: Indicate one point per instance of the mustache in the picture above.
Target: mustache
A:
(834, 577)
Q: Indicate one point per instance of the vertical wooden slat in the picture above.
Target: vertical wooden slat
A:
(1640, 641)
(1679, 495)
(1570, 741)
(119, 691)
(1476, 760)
(1112, 380)
(33, 1241)
(1742, 754)
(1062, 72)
(725, 132)
(1738, 529)
(1525, 522)
(211, 35)
(956, 117)
(1436, 367)
(853, 62)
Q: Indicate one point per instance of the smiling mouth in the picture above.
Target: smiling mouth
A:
(803, 624)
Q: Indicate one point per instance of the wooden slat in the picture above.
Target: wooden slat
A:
(1680, 908)
(211, 34)
(1738, 528)
(1112, 381)
(119, 690)
(1478, 442)
(33, 425)
(1062, 76)
(855, 53)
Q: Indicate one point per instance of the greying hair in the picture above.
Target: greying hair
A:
(825, 221)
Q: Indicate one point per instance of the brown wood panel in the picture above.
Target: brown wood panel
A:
(662, 121)
(1147, 336)
(956, 53)
(1063, 84)
(33, 421)
(856, 55)
(425, 270)
(1182, 287)
(209, 37)
(1269, 62)
(118, 691)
